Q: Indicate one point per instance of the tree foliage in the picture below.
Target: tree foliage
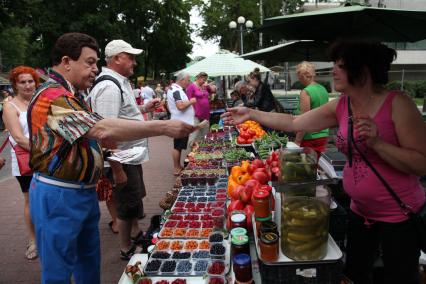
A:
(160, 27)
(217, 15)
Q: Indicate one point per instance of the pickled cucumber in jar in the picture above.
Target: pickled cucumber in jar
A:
(304, 228)
(298, 165)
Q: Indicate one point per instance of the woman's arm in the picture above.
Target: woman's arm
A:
(11, 121)
(410, 156)
(305, 106)
(311, 121)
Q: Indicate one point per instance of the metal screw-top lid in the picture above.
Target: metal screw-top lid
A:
(269, 238)
(238, 232)
(242, 259)
(239, 240)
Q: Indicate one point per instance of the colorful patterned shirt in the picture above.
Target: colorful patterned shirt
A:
(59, 118)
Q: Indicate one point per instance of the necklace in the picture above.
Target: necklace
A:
(362, 110)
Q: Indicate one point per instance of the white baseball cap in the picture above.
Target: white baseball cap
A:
(117, 46)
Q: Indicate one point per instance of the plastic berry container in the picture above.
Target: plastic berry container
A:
(216, 237)
(184, 267)
(213, 279)
(153, 267)
(216, 268)
(217, 251)
(168, 267)
(200, 266)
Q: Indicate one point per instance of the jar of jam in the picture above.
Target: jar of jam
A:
(240, 244)
(238, 219)
(242, 267)
(269, 247)
(268, 227)
(259, 222)
(261, 204)
(238, 232)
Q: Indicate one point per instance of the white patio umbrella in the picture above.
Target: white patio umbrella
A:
(223, 63)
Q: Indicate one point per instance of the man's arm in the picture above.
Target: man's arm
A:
(180, 104)
(126, 130)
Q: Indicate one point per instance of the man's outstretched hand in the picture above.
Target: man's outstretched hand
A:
(236, 115)
(152, 105)
(178, 129)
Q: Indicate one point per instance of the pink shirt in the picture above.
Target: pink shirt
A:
(369, 197)
(202, 107)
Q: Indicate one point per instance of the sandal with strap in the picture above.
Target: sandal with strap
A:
(31, 253)
(127, 255)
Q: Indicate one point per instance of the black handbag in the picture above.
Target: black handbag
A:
(419, 218)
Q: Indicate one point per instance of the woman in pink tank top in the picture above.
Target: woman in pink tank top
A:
(389, 130)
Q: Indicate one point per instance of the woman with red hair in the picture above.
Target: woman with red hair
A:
(24, 82)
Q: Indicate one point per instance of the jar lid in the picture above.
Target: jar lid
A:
(238, 217)
(239, 240)
(269, 238)
(269, 218)
(261, 194)
(268, 225)
(238, 232)
(242, 259)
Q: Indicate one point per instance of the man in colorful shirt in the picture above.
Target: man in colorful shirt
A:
(67, 161)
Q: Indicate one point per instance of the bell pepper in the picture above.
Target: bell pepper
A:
(241, 179)
(244, 165)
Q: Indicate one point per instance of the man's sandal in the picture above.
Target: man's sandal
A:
(127, 255)
(31, 253)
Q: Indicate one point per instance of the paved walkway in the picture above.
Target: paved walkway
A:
(14, 268)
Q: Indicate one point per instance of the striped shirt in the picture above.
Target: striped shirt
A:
(59, 118)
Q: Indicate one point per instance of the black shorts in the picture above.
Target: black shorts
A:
(180, 143)
(128, 198)
(24, 182)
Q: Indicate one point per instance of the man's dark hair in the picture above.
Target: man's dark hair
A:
(71, 44)
(358, 55)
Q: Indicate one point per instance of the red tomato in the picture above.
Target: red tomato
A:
(261, 177)
(249, 141)
(245, 194)
(241, 140)
(245, 135)
(249, 210)
(235, 205)
(258, 163)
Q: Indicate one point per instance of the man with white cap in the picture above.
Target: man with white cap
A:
(112, 97)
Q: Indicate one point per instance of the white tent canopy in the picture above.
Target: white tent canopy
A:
(224, 63)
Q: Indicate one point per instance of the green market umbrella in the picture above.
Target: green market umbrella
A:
(292, 51)
(381, 24)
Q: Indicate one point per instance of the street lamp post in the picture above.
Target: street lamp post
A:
(243, 26)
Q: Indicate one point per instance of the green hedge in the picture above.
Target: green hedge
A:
(415, 89)
(299, 86)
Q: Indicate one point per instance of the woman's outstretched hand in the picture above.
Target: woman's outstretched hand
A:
(236, 115)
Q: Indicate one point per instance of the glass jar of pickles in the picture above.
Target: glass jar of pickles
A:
(304, 226)
(298, 165)
(269, 247)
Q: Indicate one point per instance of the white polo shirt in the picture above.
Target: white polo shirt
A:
(105, 99)
(174, 95)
